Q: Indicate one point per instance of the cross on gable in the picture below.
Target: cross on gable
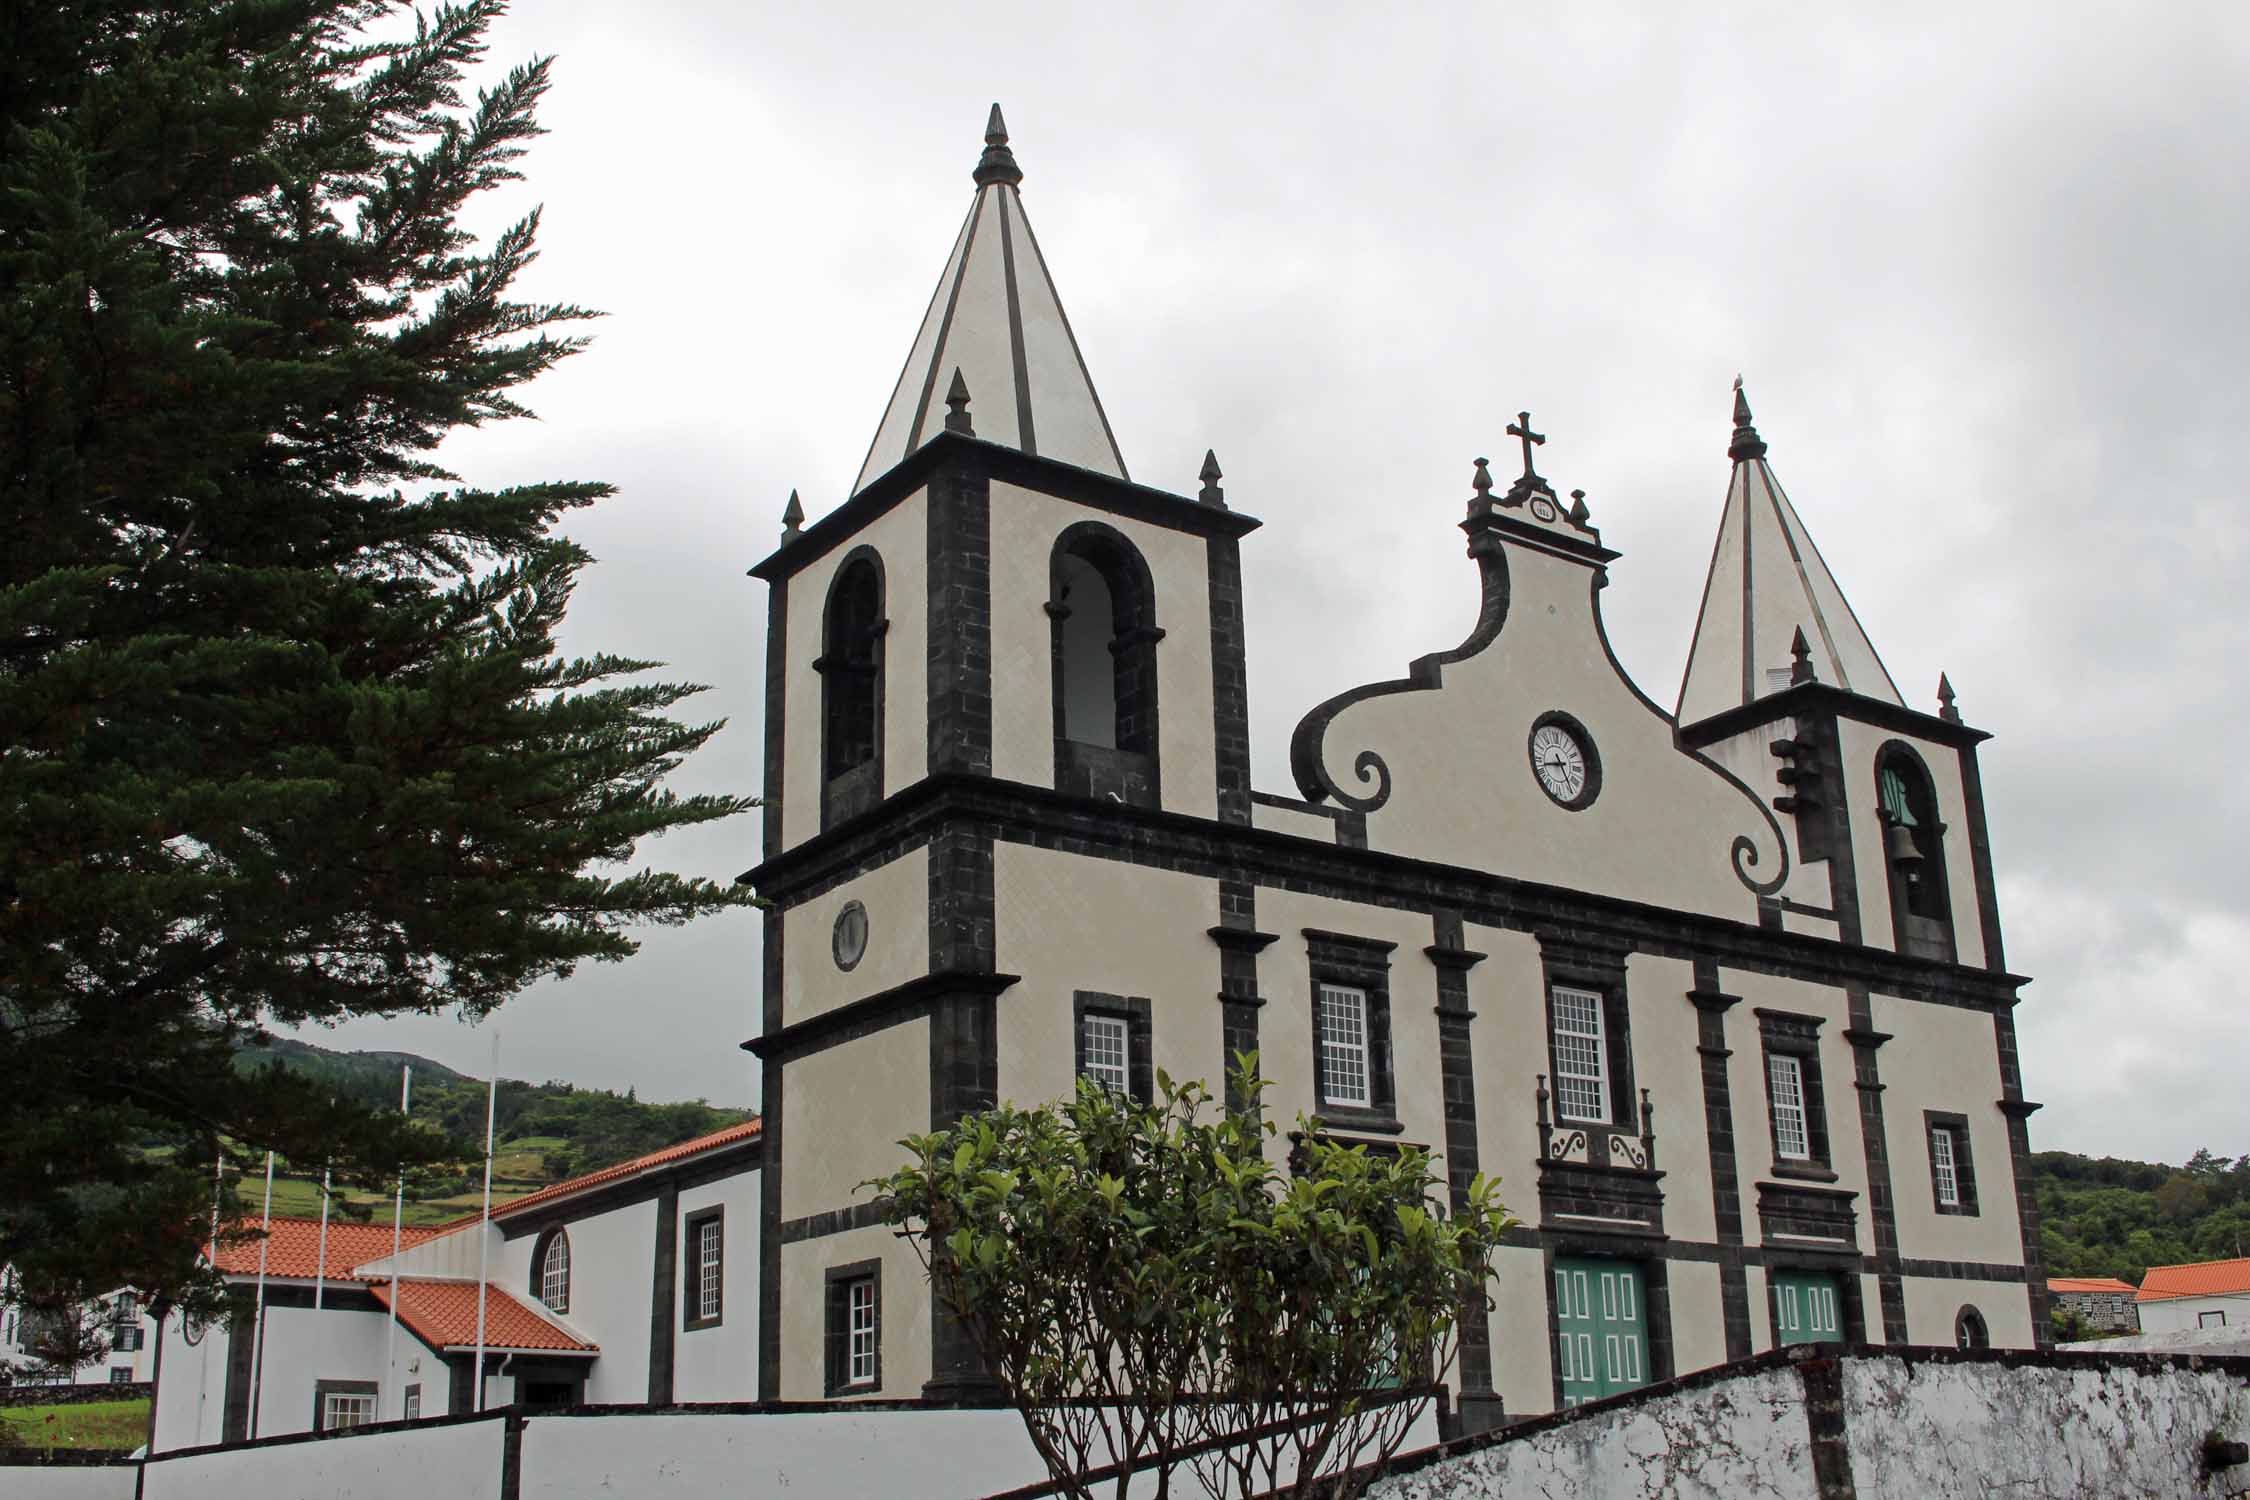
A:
(1521, 428)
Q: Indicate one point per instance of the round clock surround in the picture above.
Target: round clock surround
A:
(849, 940)
(1564, 761)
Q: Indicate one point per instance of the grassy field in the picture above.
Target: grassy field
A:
(111, 1426)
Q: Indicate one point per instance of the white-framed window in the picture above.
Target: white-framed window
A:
(340, 1409)
(120, 1374)
(859, 1363)
(1581, 1057)
(1343, 1047)
(2215, 1318)
(1108, 1051)
(554, 1273)
(1785, 1080)
(1942, 1170)
(413, 1407)
(710, 1243)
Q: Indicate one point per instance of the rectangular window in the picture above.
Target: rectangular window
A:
(1343, 1047)
(1581, 1057)
(1113, 1042)
(707, 1269)
(1785, 1076)
(2216, 1318)
(1941, 1168)
(1953, 1176)
(413, 1408)
(703, 1285)
(343, 1403)
(1108, 1056)
(120, 1374)
(855, 1329)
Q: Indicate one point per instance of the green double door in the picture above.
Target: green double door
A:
(1808, 1307)
(1601, 1324)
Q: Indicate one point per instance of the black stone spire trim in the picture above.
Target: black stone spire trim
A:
(792, 518)
(1211, 494)
(957, 406)
(1747, 444)
(1800, 658)
(998, 164)
(1946, 709)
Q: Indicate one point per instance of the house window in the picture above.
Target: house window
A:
(1913, 853)
(1953, 1179)
(2215, 1318)
(412, 1410)
(551, 1271)
(1102, 605)
(338, 1404)
(1581, 1057)
(1113, 1042)
(851, 689)
(1796, 1108)
(1353, 1086)
(120, 1374)
(705, 1282)
(855, 1327)
(1969, 1331)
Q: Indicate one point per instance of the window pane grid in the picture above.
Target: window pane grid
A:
(707, 1244)
(1941, 1167)
(1581, 1063)
(1343, 1046)
(348, 1411)
(860, 1354)
(1785, 1077)
(554, 1275)
(1106, 1053)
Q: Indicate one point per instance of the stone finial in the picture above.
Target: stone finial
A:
(1482, 484)
(957, 406)
(1211, 494)
(1800, 658)
(998, 164)
(1946, 709)
(792, 518)
(1747, 444)
(1578, 510)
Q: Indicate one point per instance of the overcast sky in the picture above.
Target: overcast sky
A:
(1984, 274)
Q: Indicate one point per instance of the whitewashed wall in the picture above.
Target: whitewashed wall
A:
(720, 1364)
(68, 1482)
(2182, 1314)
(429, 1461)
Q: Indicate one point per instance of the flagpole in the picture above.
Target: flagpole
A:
(484, 1230)
(258, 1322)
(398, 1213)
(320, 1263)
(203, 1373)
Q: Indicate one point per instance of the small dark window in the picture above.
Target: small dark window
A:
(1796, 1101)
(1102, 604)
(1953, 1177)
(1353, 1084)
(550, 1393)
(1913, 854)
(1969, 1331)
(412, 1410)
(703, 1274)
(550, 1270)
(1113, 1042)
(2215, 1318)
(120, 1374)
(851, 689)
(855, 1329)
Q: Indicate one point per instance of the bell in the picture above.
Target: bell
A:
(1898, 843)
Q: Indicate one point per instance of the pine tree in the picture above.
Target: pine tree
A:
(287, 736)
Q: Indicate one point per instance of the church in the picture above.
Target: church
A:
(1717, 990)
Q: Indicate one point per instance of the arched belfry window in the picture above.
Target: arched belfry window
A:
(851, 689)
(1102, 602)
(1913, 853)
(550, 1271)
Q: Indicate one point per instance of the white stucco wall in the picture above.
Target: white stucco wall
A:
(303, 1346)
(720, 1363)
(72, 1482)
(846, 1108)
(1946, 1058)
(1932, 1304)
(2181, 1314)
(610, 1265)
(1857, 744)
(444, 1461)
(897, 898)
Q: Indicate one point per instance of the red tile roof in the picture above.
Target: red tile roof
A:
(2205, 1278)
(748, 1130)
(443, 1314)
(2089, 1284)
(292, 1247)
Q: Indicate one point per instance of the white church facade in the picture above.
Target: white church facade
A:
(1717, 990)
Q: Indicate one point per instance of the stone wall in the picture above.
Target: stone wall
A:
(71, 1395)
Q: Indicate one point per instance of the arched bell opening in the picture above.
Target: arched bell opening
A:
(1102, 605)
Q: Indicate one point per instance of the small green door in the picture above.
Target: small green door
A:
(1807, 1307)
(1601, 1323)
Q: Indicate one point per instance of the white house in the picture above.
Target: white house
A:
(124, 1323)
(633, 1283)
(2203, 1294)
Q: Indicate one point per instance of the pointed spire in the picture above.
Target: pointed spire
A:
(957, 406)
(1211, 494)
(1747, 444)
(998, 164)
(1946, 710)
(792, 518)
(1800, 658)
(1482, 484)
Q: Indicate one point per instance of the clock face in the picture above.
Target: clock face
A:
(1563, 761)
(849, 941)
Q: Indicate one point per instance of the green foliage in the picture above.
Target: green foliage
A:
(2109, 1217)
(288, 736)
(1161, 1264)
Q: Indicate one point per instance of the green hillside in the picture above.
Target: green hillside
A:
(544, 1132)
(2108, 1217)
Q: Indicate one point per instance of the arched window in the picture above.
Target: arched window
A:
(851, 689)
(1969, 1331)
(551, 1271)
(1913, 853)
(1103, 605)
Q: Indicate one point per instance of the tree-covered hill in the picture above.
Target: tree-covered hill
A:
(2108, 1217)
(544, 1132)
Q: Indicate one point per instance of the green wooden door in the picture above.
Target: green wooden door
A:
(1808, 1307)
(1601, 1321)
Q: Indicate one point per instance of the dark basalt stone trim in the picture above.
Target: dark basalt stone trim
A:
(1827, 1435)
(2017, 1111)
(1964, 1163)
(1817, 699)
(1794, 1035)
(834, 1221)
(1362, 963)
(857, 788)
(777, 714)
(1593, 1239)
(1239, 943)
(959, 656)
(1572, 1192)
(1882, 1209)
(772, 1124)
(664, 1270)
(1457, 1085)
(910, 1001)
(1095, 491)
(964, 1035)
(1351, 827)
(1972, 1270)
(1980, 860)
(1139, 1017)
(1041, 817)
(1803, 1211)
(1230, 679)
(711, 1166)
(1711, 1007)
